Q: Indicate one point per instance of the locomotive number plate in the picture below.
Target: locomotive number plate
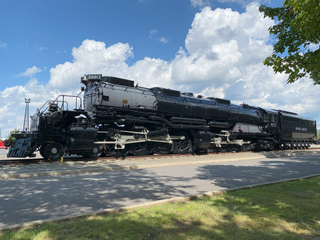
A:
(124, 101)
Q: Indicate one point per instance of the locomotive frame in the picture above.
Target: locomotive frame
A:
(118, 118)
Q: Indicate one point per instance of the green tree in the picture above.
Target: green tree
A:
(9, 136)
(297, 30)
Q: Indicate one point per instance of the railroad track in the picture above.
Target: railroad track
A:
(40, 160)
(83, 159)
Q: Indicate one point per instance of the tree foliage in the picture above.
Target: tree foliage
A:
(297, 30)
(9, 136)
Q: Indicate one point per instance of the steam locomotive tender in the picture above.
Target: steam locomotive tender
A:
(121, 118)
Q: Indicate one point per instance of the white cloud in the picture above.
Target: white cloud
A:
(199, 3)
(313, 46)
(152, 32)
(29, 72)
(3, 111)
(3, 45)
(160, 39)
(91, 57)
(13, 103)
(163, 39)
(243, 2)
(151, 72)
(222, 58)
(221, 47)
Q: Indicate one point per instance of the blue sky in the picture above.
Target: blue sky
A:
(43, 33)
(205, 46)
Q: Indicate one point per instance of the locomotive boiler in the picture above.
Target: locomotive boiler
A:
(117, 117)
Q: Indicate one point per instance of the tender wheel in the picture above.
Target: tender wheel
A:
(182, 146)
(52, 151)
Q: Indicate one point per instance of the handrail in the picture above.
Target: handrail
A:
(62, 103)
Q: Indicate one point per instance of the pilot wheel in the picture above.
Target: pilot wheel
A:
(52, 151)
(95, 152)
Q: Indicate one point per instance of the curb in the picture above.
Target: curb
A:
(107, 169)
(148, 204)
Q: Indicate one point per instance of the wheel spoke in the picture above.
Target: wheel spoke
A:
(183, 146)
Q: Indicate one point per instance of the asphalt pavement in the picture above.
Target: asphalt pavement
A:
(27, 201)
(3, 152)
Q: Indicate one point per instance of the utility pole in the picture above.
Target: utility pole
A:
(26, 116)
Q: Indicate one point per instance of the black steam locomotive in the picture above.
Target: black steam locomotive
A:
(119, 118)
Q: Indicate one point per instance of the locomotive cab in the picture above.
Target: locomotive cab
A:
(273, 121)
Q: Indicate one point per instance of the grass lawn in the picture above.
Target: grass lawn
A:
(280, 211)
